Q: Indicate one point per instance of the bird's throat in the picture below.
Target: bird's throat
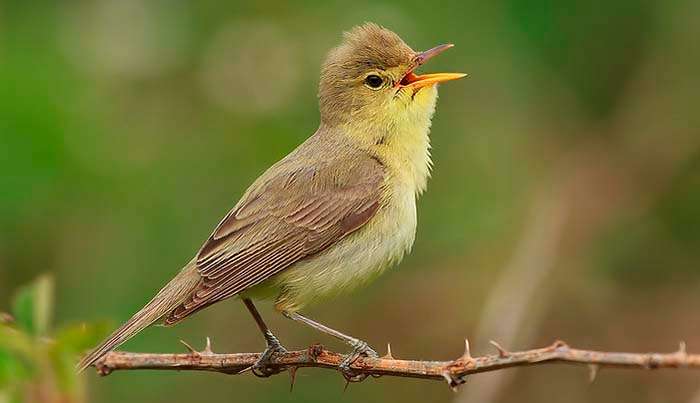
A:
(406, 155)
(406, 147)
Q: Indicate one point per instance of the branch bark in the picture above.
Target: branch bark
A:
(453, 371)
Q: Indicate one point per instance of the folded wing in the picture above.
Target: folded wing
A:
(289, 214)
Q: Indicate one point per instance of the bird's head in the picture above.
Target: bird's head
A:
(370, 79)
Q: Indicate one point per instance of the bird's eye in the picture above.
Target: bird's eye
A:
(373, 81)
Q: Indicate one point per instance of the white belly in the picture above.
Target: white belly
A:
(353, 261)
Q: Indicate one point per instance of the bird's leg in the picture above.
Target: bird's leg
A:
(359, 347)
(262, 367)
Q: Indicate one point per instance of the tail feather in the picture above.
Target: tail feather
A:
(167, 299)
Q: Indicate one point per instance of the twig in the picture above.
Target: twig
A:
(452, 371)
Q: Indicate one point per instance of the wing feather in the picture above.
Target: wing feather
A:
(288, 215)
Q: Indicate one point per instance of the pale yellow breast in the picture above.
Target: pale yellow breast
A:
(354, 260)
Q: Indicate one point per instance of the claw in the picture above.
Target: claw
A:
(262, 367)
(352, 376)
(359, 348)
(452, 381)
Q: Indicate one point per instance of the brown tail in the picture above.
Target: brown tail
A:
(165, 301)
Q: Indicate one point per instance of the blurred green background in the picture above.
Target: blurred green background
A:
(565, 199)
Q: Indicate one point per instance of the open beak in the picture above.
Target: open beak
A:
(416, 81)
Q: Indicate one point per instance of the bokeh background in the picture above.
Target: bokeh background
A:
(565, 199)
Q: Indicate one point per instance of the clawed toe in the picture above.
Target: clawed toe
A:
(263, 368)
(359, 349)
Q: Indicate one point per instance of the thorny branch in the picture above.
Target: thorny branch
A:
(453, 371)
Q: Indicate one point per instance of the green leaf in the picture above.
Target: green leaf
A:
(32, 306)
(23, 309)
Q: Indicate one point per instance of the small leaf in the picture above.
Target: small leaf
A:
(32, 306)
(23, 309)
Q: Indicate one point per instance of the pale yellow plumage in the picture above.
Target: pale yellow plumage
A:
(336, 211)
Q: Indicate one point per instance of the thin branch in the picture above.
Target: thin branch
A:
(453, 371)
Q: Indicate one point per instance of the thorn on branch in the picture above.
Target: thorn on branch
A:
(388, 355)
(593, 372)
(246, 369)
(207, 347)
(682, 349)
(558, 344)
(502, 352)
(467, 351)
(189, 347)
(292, 377)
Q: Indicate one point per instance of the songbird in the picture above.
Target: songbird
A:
(330, 216)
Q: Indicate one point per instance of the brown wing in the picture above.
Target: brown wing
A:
(289, 214)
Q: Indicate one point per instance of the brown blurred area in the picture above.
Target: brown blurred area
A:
(564, 203)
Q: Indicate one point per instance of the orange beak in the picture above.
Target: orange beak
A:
(416, 81)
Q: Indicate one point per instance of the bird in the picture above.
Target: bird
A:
(330, 216)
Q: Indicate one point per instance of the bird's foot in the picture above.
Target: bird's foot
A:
(359, 349)
(262, 367)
